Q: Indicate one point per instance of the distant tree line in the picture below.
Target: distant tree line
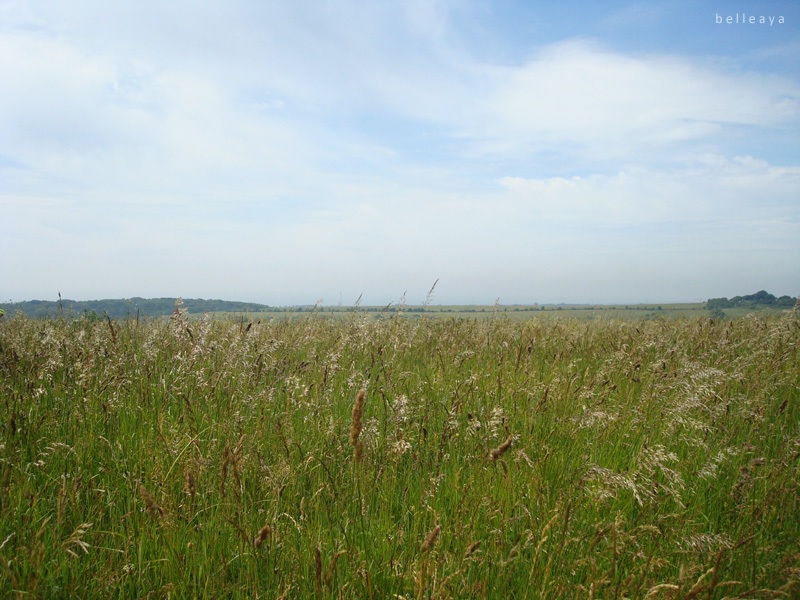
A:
(759, 298)
(122, 308)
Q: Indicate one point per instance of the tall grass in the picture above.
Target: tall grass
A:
(202, 458)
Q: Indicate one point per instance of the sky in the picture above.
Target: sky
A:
(291, 152)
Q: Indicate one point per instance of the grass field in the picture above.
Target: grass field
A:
(486, 458)
(550, 312)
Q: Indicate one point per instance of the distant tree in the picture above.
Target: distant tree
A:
(718, 303)
(761, 297)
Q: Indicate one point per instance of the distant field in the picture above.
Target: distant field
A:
(545, 457)
(761, 303)
(582, 312)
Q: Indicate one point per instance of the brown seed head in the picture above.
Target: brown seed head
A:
(473, 547)
(190, 487)
(501, 449)
(153, 508)
(263, 534)
(317, 571)
(357, 425)
(358, 413)
(431, 539)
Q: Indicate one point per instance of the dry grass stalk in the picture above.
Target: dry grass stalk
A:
(61, 500)
(285, 593)
(511, 556)
(224, 469)
(357, 425)
(76, 539)
(426, 546)
(667, 587)
(230, 458)
(431, 539)
(544, 537)
(473, 547)
(332, 568)
(501, 449)
(701, 585)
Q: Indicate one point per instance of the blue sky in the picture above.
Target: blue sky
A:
(288, 152)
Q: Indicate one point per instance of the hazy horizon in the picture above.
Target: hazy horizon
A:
(286, 153)
(429, 300)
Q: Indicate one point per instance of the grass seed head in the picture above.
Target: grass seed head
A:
(317, 571)
(473, 547)
(501, 449)
(263, 534)
(153, 508)
(431, 539)
(190, 485)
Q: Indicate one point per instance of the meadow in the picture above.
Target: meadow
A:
(549, 312)
(354, 457)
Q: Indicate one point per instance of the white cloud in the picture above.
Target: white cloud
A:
(616, 106)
